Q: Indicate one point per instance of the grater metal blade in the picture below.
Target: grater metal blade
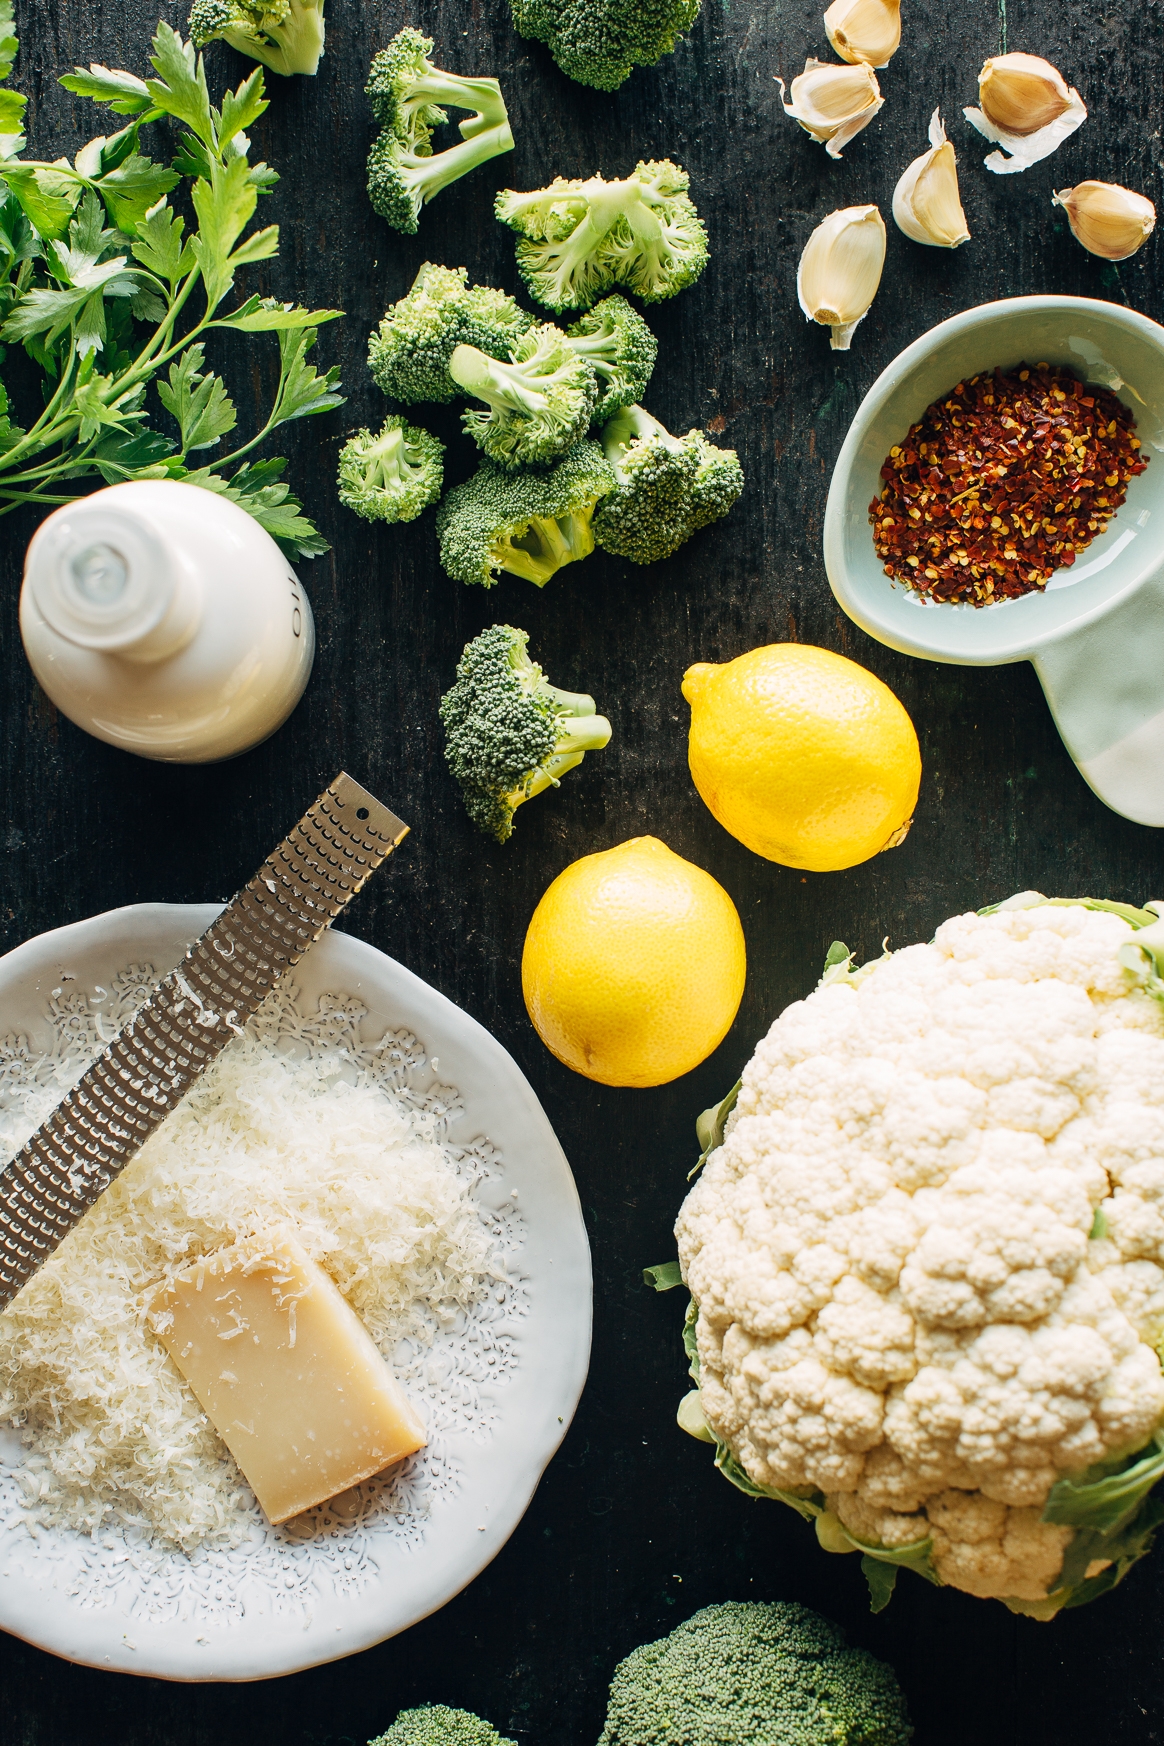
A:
(188, 1020)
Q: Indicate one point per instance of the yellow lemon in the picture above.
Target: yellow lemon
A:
(804, 756)
(633, 968)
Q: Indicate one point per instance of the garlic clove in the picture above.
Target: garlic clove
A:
(840, 270)
(1027, 107)
(1022, 93)
(864, 30)
(926, 204)
(1108, 220)
(833, 103)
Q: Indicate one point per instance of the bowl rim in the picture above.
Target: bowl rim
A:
(854, 598)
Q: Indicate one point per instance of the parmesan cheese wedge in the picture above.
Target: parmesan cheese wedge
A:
(287, 1373)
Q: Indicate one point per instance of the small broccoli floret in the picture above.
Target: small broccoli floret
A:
(286, 35)
(666, 489)
(600, 42)
(531, 524)
(409, 354)
(406, 91)
(394, 475)
(580, 238)
(750, 1674)
(509, 732)
(436, 1725)
(539, 402)
(616, 340)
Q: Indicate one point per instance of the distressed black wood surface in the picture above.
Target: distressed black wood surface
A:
(631, 1529)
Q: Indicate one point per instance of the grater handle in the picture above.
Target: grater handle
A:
(188, 1020)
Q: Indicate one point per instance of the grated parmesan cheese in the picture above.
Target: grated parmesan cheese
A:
(264, 1139)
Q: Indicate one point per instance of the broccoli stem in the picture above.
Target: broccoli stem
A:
(426, 177)
(607, 203)
(598, 348)
(387, 466)
(299, 44)
(576, 736)
(503, 387)
(547, 544)
(482, 96)
(630, 425)
(572, 702)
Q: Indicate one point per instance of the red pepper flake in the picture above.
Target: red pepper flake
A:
(1002, 482)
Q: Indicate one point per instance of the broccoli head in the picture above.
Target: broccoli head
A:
(409, 354)
(539, 403)
(580, 238)
(286, 35)
(436, 1725)
(600, 42)
(406, 91)
(510, 734)
(750, 1674)
(666, 488)
(392, 476)
(620, 346)
(531, 524)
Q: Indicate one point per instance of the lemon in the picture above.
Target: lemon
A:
(633, 968)
(804, 756)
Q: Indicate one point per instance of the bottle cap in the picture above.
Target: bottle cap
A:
(100, 576)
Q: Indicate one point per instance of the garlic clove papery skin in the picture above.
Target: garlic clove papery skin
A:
(840, 270)
(1109, 221)
(926, 203)
(1027, 107)
(864, 30)
(833, 103)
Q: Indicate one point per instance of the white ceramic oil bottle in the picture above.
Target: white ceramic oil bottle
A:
(164, 619)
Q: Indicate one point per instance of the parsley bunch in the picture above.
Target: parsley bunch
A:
(105, 289)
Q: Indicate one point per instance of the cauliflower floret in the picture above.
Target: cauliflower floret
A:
(985, 1548)
(900, 1298)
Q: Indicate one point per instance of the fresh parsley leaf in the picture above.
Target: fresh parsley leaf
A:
(134, 188)
(160, 248)
(258, 488)
(125, 94)
(200, 403)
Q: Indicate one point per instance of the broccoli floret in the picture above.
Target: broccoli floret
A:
(531, 524)
(409, 354)
(405, 91)
(750, 1674)
(286, 35)
(394, 475)
(580, 238)
(509, 732)
(436, 1725)
(666, 489)
(600, 42)
(616, 340)
(539, 402)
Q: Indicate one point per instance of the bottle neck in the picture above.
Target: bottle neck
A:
(104, 578)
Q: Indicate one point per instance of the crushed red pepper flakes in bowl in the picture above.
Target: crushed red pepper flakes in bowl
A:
(1001, 482)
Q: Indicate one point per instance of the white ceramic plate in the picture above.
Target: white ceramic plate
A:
(502, 1390)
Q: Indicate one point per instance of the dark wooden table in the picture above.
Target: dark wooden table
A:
(631, 1530)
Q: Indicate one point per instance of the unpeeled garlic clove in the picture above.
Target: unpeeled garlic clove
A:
(926, 205)
(864, 30)
(840, 270)
(1108, 220)
(1028, 108)
(833, 103)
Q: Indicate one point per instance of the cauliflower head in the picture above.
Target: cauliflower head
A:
(927, 1261)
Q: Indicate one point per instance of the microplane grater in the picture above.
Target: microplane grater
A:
(188, 1020)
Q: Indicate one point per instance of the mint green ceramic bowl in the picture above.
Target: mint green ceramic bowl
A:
(1096, 635)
